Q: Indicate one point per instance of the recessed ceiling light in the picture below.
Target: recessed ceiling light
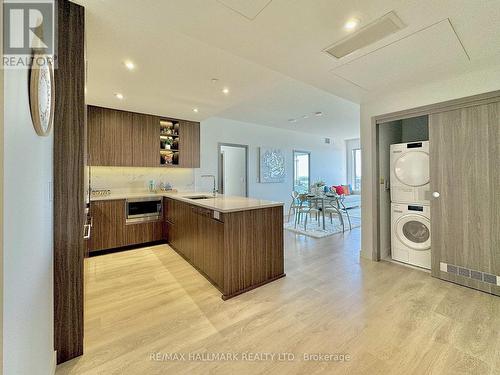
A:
(119, 96)
(318, 114)
(351, 24)
(195, 110)
(129, 65)
(292, 120)
(225, 90)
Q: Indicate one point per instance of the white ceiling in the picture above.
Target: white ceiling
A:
(269, 53)
(248, 9)
(407, 64)
(294, 100)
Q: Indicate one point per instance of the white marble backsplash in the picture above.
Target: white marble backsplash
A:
(136, 179)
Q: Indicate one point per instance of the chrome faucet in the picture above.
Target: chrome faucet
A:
(214, 191)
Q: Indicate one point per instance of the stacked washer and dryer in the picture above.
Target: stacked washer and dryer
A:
(410, 204)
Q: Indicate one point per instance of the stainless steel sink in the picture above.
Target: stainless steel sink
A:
(199, 197)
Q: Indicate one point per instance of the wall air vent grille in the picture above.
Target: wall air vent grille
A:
(471, 274)
(371, 33)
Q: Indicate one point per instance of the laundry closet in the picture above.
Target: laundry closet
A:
(404, 191)
(437, 190)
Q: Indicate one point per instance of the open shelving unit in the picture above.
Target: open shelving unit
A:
(169, 142)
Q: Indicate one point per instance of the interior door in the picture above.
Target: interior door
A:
(465, 181)
(233, 170)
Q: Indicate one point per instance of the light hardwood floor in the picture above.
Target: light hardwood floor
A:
(390, 319)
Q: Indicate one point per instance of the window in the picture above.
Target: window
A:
(301, 173)
(354, 164)
(356, 156)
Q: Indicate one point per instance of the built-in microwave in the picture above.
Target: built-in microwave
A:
(143, 209)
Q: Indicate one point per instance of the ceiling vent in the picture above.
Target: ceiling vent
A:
(369, 34)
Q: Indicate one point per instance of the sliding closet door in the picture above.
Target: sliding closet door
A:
(465, 209)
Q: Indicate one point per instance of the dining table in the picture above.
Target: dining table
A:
(318, 200)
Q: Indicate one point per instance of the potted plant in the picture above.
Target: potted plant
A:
(318, 187)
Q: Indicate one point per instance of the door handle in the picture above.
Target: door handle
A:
(86, 231)
(436, 194)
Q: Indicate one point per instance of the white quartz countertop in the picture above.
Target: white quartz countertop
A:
(221, 203)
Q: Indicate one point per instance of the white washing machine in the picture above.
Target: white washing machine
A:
(411, 234)
(410, 172)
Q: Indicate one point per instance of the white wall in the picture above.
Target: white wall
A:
(28, 242)
(327, 160)
(462, 86)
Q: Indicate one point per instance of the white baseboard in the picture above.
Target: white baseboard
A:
(54, 362)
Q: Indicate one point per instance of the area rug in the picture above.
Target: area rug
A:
(317, 231)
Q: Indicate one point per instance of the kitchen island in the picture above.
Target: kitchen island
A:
(235, 242)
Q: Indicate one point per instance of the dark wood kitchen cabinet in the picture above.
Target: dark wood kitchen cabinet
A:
(108, 224)
(144, 140)
(129, 139)
(189, 155)
(109, 137)
(139, 233)
(209, 245)
(110, 229)
(181, 224)
(197, 236)
(236, 251)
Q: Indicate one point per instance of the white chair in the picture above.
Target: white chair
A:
(338, 202)
(295, 205)
(305, 208)
(332, 208)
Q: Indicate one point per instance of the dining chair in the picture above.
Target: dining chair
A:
(295, 205)
(341, 206)
(332, 208)
(305, 207)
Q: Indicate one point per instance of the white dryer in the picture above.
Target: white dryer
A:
(411, 234)
(410, 172)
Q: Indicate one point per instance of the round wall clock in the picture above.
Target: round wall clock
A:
(42, 96)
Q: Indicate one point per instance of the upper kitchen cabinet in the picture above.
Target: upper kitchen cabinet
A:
(109, 137)
(127, 139)
(144, 140)
(189, 155)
